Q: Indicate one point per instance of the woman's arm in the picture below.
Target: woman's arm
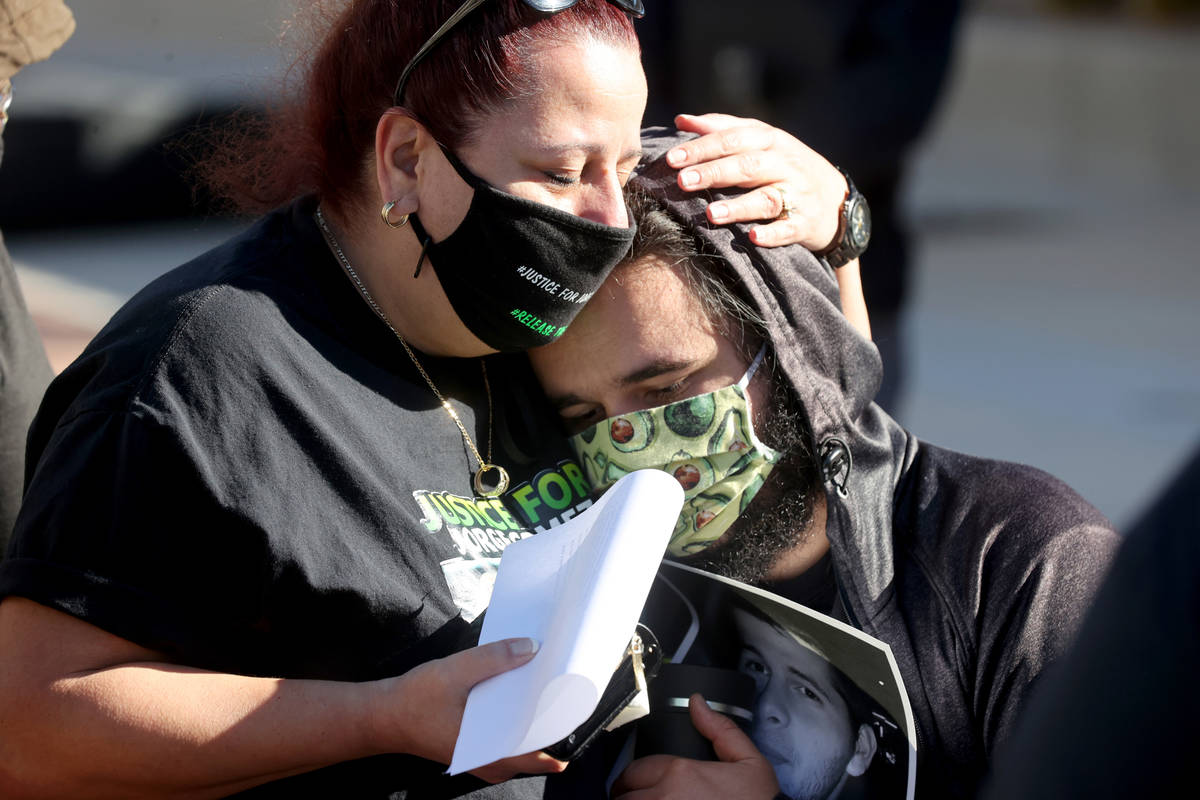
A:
(88, 714)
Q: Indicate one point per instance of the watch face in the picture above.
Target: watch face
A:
(859, 228)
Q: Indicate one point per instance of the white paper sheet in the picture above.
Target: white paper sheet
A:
(578, 589)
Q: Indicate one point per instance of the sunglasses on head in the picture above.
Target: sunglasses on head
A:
(633, 7)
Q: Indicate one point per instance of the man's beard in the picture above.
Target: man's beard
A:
(780, 516)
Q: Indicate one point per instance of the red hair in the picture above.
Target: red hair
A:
(321, 134)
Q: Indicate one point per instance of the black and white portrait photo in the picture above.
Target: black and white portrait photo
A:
(822, 701)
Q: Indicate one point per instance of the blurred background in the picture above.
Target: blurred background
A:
(1032, 162)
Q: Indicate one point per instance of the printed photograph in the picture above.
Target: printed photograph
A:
(823, 701)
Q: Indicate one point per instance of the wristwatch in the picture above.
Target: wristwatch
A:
(854, 228)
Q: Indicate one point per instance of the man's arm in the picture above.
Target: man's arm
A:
(1038, 580)
(88, 714)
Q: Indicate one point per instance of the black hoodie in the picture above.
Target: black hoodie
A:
(975, 572)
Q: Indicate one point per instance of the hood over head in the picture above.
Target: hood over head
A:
(834, 371)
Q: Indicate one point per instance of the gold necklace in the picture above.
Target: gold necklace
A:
(484, 465)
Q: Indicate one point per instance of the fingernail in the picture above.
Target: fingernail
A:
(523, 647)
(676, 156)
(719, 211)
(690, 177)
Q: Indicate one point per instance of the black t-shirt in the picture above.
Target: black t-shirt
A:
(815, 588)
(245, 471)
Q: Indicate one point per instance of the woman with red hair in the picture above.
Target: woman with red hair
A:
(262, 502)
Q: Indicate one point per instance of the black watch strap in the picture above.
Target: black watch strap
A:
(854, 228)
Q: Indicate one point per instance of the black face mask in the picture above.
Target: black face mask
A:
(517, 272)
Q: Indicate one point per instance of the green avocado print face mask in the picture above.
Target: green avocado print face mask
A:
(707, 442)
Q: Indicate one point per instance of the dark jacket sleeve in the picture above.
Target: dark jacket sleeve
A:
(1037, 580)
(1003, 562)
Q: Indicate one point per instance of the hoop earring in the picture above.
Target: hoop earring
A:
(387, 220)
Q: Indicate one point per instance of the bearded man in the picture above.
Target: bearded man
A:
(975, 572)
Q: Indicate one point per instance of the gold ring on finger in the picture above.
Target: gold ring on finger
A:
(785, 202)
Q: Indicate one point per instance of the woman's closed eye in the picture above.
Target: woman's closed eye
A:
(570, 176)
(562, 178)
